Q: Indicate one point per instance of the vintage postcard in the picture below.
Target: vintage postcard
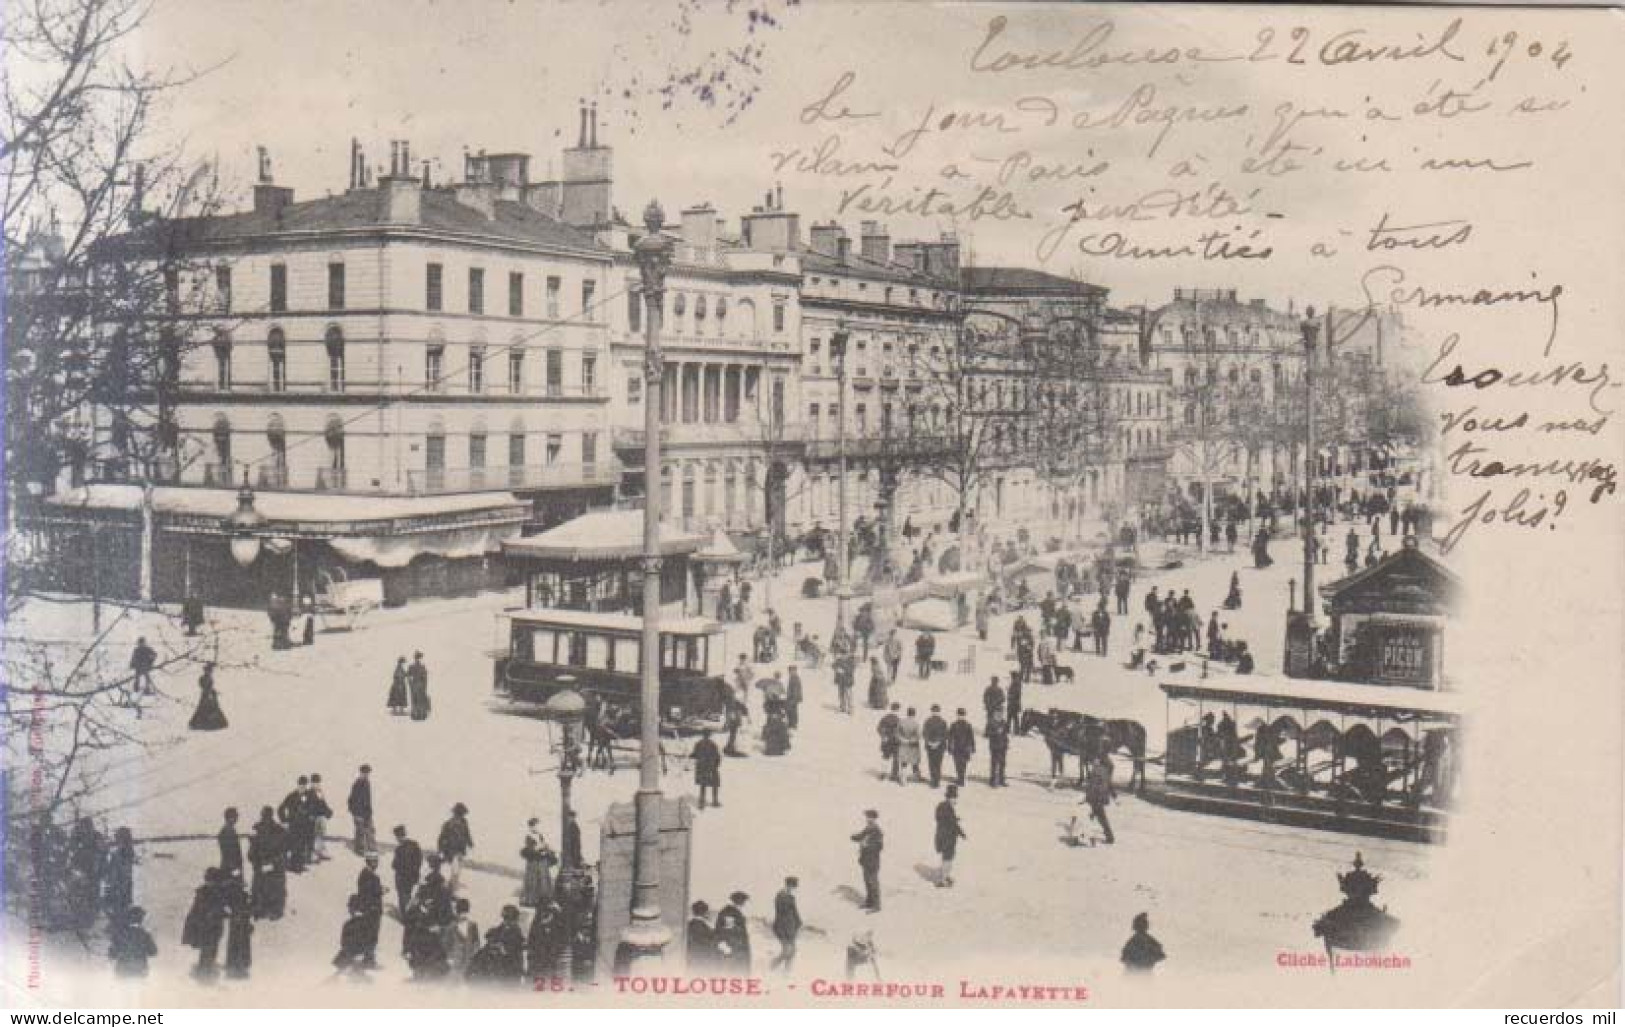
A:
(812, 504)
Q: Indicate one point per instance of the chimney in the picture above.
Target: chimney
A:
(269, 198)
(826, 238)
(770, 227)
(585, 189)
(592, 135)
(843, 247)
(912, 254)
(355, 159)
(700, 227)
(400, 196)
(581, 135)
(874, 242)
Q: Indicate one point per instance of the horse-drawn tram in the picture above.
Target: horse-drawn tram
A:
(600, 655)
(1328, 754)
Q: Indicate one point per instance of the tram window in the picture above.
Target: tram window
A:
(626, 655)
(598, 652)
(542, 642)
(524, 643)
(576, 646)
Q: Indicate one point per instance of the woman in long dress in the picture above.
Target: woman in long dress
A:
(208, 716)
(539, 860)
(397, 688)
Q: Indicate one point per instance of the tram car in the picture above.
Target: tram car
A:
(600, 654)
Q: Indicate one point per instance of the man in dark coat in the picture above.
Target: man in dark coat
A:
(934, 733)
(890, 748)
(998, 747)
(707, 768)
(268, 854)
(231, 846)
(570, 845)
(949, 832)
(142, 661)
(961, 745)
(786, 924)
(925, 647)
(205, 923)
(360, 806)
(702, 940)
(1142, 952)
(454, 842)
(408, 866)
(871, 840)
(371, 892)
(793, 698)
(417, 687)
(993, 699)
(733, 935)
(1012, 701)
(294, 812)
(1098, 792)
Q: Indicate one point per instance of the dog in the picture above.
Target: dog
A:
(1064, 673)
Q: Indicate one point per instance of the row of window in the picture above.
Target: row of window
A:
(435, 376)
(434, 291)
(704, 309)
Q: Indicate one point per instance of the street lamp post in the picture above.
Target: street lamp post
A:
(646, 936)
(1310, 331)
(569, 709)
(244, 525)
(843, 587)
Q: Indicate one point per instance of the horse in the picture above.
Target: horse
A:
(1084, 736)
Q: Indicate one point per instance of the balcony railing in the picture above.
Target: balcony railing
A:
(752, 432)
(441, 481)
(451, 388)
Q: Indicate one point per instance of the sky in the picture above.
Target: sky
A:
(301, 78)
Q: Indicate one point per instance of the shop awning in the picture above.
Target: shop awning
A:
(600, 535)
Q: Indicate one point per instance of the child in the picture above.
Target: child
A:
(130, 946)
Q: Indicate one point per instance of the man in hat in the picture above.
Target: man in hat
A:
(948, 834)
(408, 866)
(417, 687)
(454, 842)
(231, 845)
(707, 768)
(961, 744)
(360, 806)
(733, 935)
(294, 812)
(993, 699)
(319, 812)
(934, 734)
(370, 890)
(887, 729)
(871, 840)
(142, 661)
(702, 940)
(786, 924)
(998, 747)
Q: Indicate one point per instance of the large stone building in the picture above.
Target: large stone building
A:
(1236, 368)
(404, 374)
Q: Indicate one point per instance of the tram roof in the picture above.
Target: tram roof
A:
(617, 622)
(1336, 696)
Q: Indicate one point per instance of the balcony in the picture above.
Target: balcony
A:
(747, 433)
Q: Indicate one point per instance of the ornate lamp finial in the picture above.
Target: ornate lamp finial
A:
(654, 218)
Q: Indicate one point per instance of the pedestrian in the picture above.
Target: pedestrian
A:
(733, 935)
(998, 748)
(539, 859)
(370, 890)
(1142, 952)
(231, 846)
(707, 768)
(454, 842)
(879, 683)
(359, 804)
(353, 938)
(130, 945)
(894, 654)
(864, 626)
(908, 744)
(320, 811)
(118, 895)
(1122, 593)
(268, 855)
(310, 629)
(205, 924)
(993, 699)
(702, 940)
(888, 727)
(239, 929)
(208, 716)
(294, 814)
(85, 865)
(407, 864)
(142, 661)
(734, 714)
(793, 697)
(949, 832)
(397, 701)
(961, 745)
(845, 678)
(570, 845)
(1012, 701)
(417, 686)
(1103, 630)
(786, 925)
(461, 939)
(871, 841)
(934, 734)
(1098, 793)
(925, 647)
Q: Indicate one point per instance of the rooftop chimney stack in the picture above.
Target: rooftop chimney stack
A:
(875, 243)
(581, 135)
(592, 136)
(400, 195)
